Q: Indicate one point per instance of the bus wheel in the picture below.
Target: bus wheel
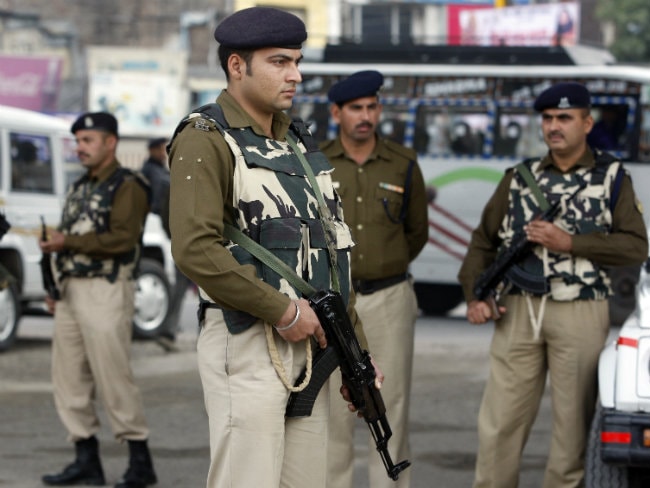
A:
(437, 299)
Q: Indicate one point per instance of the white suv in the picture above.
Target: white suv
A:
(38, 162)
(618, 451)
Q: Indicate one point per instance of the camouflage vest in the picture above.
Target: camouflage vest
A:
(570, 277)
(88, 209)
(276, 206)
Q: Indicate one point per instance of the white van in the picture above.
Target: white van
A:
(38, 162)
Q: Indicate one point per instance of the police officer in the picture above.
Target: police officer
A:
(562, 329)
(98, 245)
(385, 205)
(234, 163)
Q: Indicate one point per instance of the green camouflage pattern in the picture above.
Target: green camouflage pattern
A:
(570, 277)
(88, 209)
(277, 207)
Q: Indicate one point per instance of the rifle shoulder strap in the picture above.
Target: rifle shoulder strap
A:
(271, 260)
(524, 170)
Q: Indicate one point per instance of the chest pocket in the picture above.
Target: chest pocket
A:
(388, 206)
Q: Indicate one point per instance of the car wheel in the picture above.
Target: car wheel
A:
(434, 299)
(9, 316)
(152, 299)
(599, 474)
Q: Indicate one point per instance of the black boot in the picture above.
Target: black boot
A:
(85, 470)
(140, 472)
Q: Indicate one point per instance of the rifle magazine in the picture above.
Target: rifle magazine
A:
(301, 404)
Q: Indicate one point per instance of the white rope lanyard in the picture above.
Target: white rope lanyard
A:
(537, 319)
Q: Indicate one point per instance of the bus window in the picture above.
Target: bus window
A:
(451, 130)
(518, 134)
(315, 115)
(31, 163)
(393, 122)
(610, 131)
(644, 137)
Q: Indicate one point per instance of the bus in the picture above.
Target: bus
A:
(468, 124)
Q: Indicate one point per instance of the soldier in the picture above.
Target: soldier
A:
(385, 205)
(561, 330)
(98, 246)
(234, 163)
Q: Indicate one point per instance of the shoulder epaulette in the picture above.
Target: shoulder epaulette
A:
(206, 117)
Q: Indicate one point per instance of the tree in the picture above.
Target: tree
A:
(631, 20)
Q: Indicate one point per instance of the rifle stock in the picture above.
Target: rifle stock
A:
(357, 371)
(49, 283)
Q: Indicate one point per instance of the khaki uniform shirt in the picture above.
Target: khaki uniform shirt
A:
(128, 212)
(382, 248)
(202, 169)
(626, 244)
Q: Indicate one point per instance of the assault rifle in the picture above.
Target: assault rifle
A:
(504, 272)
(343, 349)
(4, 225)
(49, 283)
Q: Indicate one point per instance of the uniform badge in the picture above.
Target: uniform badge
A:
(564, 103)
(202, 124)
(638, 205)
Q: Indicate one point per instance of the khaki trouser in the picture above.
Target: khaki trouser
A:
(252, 444)
(90, 354)
(572, 337)
(388, 318)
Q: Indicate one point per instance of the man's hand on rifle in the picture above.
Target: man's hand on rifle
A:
(479, 312)
(307, 323)
(50, 304)
(54, 242)
(345, 391)
(548, 235)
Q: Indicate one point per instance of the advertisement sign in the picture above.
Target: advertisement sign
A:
(30, 82)
(549, 24)
(145, 104)
(146, 89)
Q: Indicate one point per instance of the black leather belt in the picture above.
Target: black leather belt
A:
(366, 287)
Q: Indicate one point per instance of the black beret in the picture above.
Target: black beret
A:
(95, 121)
(563, 95)
(357, 85)
(258, 27)
(156, 142)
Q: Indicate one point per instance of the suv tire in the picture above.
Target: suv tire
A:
(9, 316)
(152, 300)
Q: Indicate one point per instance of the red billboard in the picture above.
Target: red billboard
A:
(526, 25)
